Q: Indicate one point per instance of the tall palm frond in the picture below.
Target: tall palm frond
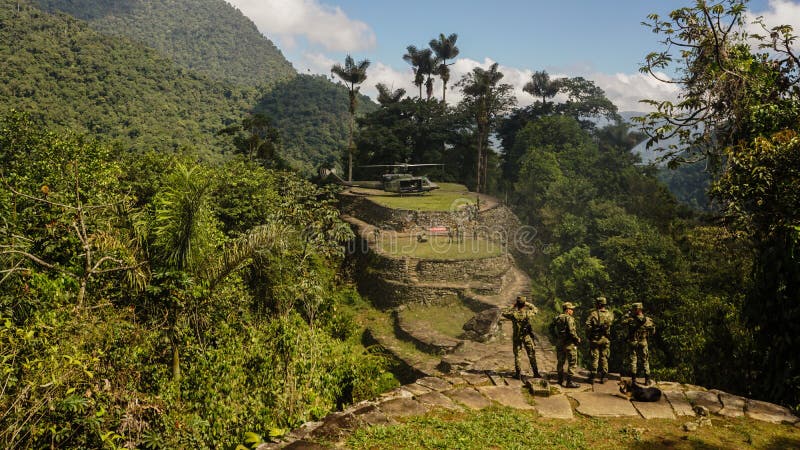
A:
(387, 96)
(352, 74)
(183, 218)
(445, 48)
(542, 86)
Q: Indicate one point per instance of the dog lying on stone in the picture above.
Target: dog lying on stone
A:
(639, 393)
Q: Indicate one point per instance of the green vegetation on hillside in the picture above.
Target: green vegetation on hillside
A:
(73, 77)
(209, 37)
(151, 301)
(312, 114)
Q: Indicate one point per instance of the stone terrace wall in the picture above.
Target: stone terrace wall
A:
(485, 269)
(389, 294)
(399, 220)
(497, 223)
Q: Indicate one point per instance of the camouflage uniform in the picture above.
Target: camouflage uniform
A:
(639, 328)
(567, 341)
(598, 326)
(522, 336)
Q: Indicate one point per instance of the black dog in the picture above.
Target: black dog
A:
(639, 393)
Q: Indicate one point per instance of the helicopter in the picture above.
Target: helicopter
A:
(400, 181)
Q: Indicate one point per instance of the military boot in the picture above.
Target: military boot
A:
(560, 377)
(571, 384)
(591, 377)
(647, 381)
(535, 371)
(602, 377)
(518, 375)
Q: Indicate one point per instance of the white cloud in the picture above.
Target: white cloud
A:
(624, 90)
(320, 24)
(779, 12)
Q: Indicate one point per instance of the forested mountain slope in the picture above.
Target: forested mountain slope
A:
(312, 114)
(62, 70)
(208, 36)
(73, 76)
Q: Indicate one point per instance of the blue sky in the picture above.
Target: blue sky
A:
(602, 41)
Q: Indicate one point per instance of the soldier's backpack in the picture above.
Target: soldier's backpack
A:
(558, 327)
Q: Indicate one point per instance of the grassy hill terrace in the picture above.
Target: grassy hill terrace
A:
(439, 247)
(448, 197)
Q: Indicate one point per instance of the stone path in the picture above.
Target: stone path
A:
(474, 390)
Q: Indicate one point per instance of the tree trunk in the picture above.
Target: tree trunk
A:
(82, 291)
(176, 360)
(350, 146)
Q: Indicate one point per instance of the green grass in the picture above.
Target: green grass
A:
(505, 428)
(439, 247)
(382, 323)
(449, 197)
(447, 317)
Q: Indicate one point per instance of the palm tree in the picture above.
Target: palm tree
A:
(486, 99)
(352, 74)
(542, 86)
(386, 96)
(184, 252)
(423, 63)
(445, 48)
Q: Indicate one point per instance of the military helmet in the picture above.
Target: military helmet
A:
(637, 306)
(601, 301)
(569, 305)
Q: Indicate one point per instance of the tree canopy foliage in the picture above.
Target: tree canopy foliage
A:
(159, 302)
(740, 110)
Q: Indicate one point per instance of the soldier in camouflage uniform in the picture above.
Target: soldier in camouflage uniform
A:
(639, 328)
(598, 326)
(520, 316)
(567, 341)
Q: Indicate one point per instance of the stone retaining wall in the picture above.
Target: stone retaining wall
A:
(484, 269)
(389, 294)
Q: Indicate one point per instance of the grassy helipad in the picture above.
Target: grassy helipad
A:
(439, 247)
(449, 197)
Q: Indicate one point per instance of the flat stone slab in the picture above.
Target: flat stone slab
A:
(609, 387)
(553, 407)
(510, 396)
(509, 381)
(655, 410)
(476, 378)
(402, 407)
(335, 426)
(469, 397)
(437, 399)
(435, 383)
(679, 403)
(705, 398)
(371, 415)
(769, 412)
(596, 404)
(397, 392)
(416, 389)
(732, 405)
